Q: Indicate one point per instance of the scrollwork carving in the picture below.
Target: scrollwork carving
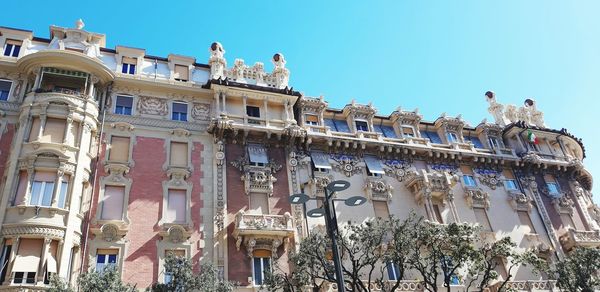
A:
(347, 164)
(152, 106)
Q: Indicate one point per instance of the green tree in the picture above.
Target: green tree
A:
(579, 271)
(107, 280)
(181, 272)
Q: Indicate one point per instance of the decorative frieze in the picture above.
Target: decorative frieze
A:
(378, 189)
(519, 201)
(346, 164)
(34, 231)
(489, 177)
(396, 168)
(201, 111)
(563, 204)
(477, 198)
(152, 106)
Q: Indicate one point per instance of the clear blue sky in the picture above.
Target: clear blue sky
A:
(439, 56)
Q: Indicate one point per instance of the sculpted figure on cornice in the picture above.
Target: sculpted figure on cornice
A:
(347, 164)
(280, 73)
(152, 106)
(217, 61)
(528, 113)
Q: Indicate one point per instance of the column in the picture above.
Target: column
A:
(58, 185)
(68, 129)
(45, 249)
(30, 174)
(244, 106)
(224, 96)
(217, 102)
(265, 104)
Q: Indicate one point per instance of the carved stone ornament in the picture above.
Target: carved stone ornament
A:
(37, 231)
(477, 198)
(312, 105)
(294, 131)
(504, 115)
(359, 111)
(378, 189)
(489, 178)
(178, 176)
(257, 178)
(347, 164)
(426, 185)
(520, 201)
(297, 158)
(110, 232)
(219, 126)
(152, 106)
(531, 157)
(320, 181)
(217, 61)
(117, 172)
(528, 181)
(175, 233)
(563, 204)
(406, 117)
(201, 111)
(396, 168)
(122, 126)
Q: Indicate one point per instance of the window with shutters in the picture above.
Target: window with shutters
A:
(12, 48)
(42, 189)
(181, 73)
(119, 149)
(54, 130)
(179, 154)
(525, 220)
(312, 120)
(4, 258)
(381, 209)
(176, 206)
(112, 203)
(27, 260)
(5, 86)
(106, 259)
(124, 105)
(259, 203)
(128, 66)
(408, 131)
(483, 220)
(179, 112)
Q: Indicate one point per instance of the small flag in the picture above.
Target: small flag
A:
(532, 138)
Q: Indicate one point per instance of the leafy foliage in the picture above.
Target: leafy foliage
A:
(437, 253)
(580, 271)
(107, 280)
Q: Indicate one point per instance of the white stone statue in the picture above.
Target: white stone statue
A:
(237, 72)
(280, 73)
(217, 61)
(496, 109)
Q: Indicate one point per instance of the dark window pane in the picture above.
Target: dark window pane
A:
(433, 137)
(257, 271)
(30, 278)
(19, 277)
(112, 258)
(7, 50)
(342, 126)
(16, 51)
(131, 69)
(253, 111)
(179, 107)
(3, 95)
(362, 126)
(331, 124)
(126, 101)
(125, 68)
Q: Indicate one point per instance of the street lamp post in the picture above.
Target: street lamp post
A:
(331, 225)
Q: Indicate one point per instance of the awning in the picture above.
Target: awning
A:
(258, 154)
(28, 256)
(374, 165)
(320, 160)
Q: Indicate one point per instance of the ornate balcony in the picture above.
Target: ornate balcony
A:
(541, 285)
(262, 231)
(575, 238)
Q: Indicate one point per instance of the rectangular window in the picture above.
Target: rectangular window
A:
(124, 105)
(62, 196)
(253, 111)
(312, 120)
(393, 271)
(494, 142)
(320, 161)
(381, 209)
(128, 65)
(179, 111)
(567, 221)
(4, 258)
(386, 131)
(259, 203)
(54, 130)
(261, 266)
(374, 167)
(437, 213)
(182, 73)
(176, 253)
(257, 154)
(112, 203)
(42, 189)
(432, 136)
(469, 180)
(27, 260)
(179, 154)
(5, 89)
(106, 258)
(482, 218)
(511, 184)
(408, 131)
(12, 48)
(476, 142)
(525, 220)
(362, 126)
(176, 210)
(452, 137)
(553, 188)
(119, 149)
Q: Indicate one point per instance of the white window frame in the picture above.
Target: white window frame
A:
(468, 182)
(106, 263)
(187, 109)
(408, 127)
(306, 121)
(362, 121)
(42, 193)
(132, 104)
(12, 51)
(127, 68)
(262, 269)
(9, 88)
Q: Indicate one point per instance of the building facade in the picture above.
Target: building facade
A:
(112, 157)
